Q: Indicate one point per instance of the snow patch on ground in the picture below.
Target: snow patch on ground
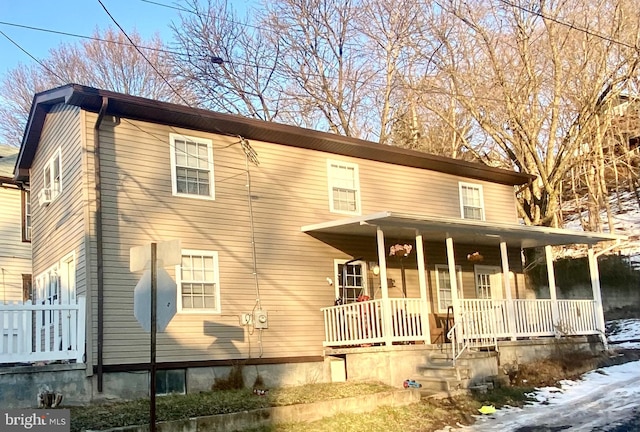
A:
(626, 221)
(604, 398)
(624, 333)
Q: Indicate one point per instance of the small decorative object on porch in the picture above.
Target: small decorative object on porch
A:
(400, 250)
(475, 257)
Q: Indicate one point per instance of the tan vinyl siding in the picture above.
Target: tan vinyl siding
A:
(58, 228)
(15, 255)
(289, 189)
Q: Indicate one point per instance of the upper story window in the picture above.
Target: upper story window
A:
(471, 201)
(198, 282)
(26, 216)
(52, 176)
(344, 187)
(192, 167)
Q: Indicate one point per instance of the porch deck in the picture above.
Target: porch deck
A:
(479, 322)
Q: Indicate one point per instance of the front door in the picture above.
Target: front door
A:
(488, 282)
(489, 287)
(351, 280)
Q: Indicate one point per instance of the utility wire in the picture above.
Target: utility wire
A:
(364, 83)
(571, 25)
(93, 38)
(144, 56)
(32, 57)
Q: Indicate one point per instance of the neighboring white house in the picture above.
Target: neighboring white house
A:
(15, 232)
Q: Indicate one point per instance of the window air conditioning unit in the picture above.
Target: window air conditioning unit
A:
(44, 197)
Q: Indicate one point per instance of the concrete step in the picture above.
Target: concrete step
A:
(443, 371)
(435, 385)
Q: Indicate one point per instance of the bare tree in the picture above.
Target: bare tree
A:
(322, 67)
(228, 62)
(387, 28)
(534, 85)
(107, 61)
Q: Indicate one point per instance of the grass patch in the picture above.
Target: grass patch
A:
(177, 407)
(502, 396)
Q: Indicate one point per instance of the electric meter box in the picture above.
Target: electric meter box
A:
(260, 319)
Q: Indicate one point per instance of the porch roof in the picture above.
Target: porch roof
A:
(404, 225)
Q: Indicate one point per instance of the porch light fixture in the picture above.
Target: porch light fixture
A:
(375, 269)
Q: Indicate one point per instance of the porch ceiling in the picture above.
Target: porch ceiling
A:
(403, 225)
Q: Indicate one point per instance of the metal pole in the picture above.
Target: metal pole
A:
(154, 300)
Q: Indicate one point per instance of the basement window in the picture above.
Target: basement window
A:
(171, 381)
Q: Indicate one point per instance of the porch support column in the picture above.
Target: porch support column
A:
(453, 278)
(422, 281)
(597, 295)
(511, 314)
(384, 288)
(551, 274)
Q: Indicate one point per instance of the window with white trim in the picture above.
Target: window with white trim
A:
(48, 293)
(443, 285)
(52, 175)
(344, 187)
(26, 216)
(354, 277)
(198, 282)
(471, 201)
(192, 167)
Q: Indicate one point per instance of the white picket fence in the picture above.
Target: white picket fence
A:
(42, 332)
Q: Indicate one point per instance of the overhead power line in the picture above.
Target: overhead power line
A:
(93, 38)
(144, 56)
(31, 56)
(570, 25)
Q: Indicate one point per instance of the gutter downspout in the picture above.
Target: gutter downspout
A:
(99, 254)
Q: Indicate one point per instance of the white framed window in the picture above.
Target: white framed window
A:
(471, 201)
(351, 280)
(344, 187)
(52, 175)
(48, 292)
(192, 167)
(443, 285)
(198, 282)
(26, 216)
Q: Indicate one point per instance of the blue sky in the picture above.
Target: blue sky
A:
(78, 17)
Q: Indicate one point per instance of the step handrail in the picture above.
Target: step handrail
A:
(453, 336)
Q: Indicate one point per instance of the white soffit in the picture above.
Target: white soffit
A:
(405, 225)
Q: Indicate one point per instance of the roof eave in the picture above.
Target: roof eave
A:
(42, 103)
(153, 111)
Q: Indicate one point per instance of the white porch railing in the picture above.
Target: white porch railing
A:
(532, 317)
(364, 322)
(42, 332)
(483, 321)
